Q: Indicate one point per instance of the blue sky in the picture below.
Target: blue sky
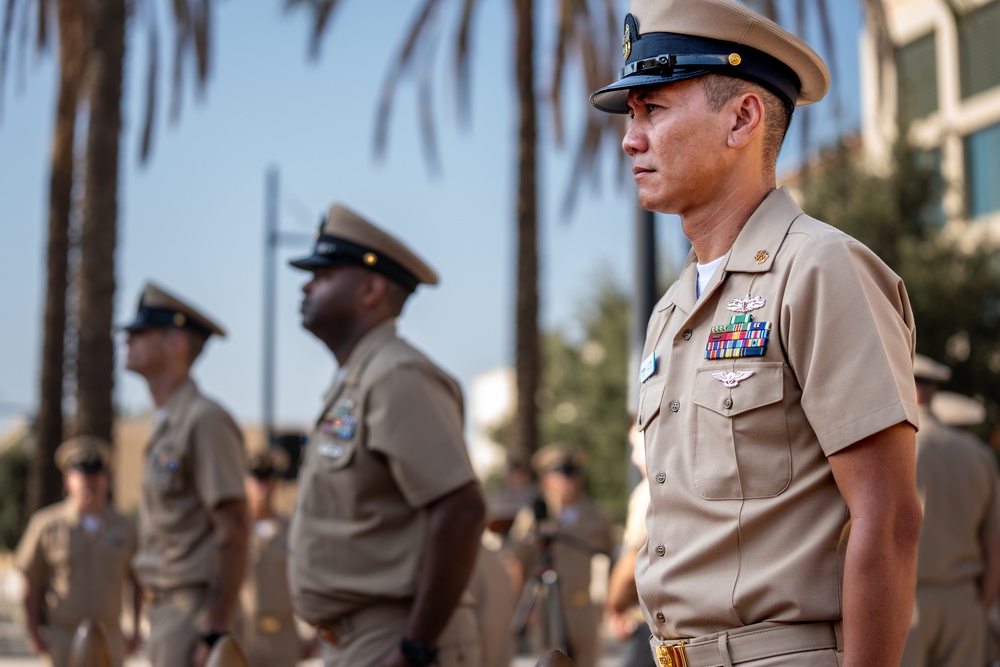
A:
(192, 219)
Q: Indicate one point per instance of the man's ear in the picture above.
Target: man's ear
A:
(748, 118)
(373, 289)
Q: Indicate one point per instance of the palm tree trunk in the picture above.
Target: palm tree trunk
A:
(527, 361)
(45, 482)
(95, 363)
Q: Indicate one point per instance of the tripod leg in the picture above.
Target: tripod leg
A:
(524, 606)
(555, 621)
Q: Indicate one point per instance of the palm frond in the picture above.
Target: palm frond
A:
(152, 75)
(564, 34)
(463, 50)
(9, 11)
(201, 24)
(418, 31)
(182, 35)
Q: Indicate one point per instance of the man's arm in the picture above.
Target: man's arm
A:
(455, 525)
(877, 478)
(989, 583)
(231, 534)
(33, 616)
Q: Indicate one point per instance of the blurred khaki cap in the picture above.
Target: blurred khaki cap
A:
(559, 456)
(673, 40)
(159, 308)
(85, 452)
(346, 238)
(925, 368)
(957, 410)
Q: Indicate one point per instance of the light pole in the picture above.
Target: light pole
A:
(273, 238)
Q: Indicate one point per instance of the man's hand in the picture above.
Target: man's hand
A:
(200, 655)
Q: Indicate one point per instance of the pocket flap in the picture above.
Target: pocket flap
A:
(650, 397)
(762, 387)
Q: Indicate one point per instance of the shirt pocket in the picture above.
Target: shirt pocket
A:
(742, 449)
(650, 398)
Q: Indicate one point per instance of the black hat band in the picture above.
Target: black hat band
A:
(149, 317)
(676, 56)
(337, 251)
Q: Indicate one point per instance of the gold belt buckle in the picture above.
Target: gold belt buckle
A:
(671, 655)
(269, 625)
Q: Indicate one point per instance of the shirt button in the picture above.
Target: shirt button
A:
(661, 550)
(661, 477)
(686, 334)
(660, 617)
(675, 406)
(728, 403)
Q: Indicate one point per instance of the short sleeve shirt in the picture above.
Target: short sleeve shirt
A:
(79, 572)
(388, 442)
(957, 482)
(195, 460)
(801, 345)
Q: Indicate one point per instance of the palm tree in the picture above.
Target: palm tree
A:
(92, 43)
(586, 32)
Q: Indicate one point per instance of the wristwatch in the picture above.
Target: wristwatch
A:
(420, 654)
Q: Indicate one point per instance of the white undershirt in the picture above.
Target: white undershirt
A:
(705, 272)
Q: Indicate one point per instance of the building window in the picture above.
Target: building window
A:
(929, 161)
(979, 49)
(916, 84)
(982, 171)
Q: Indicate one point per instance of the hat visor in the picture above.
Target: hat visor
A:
(313, 262)
(613, 98)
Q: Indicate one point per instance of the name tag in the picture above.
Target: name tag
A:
(647, 368)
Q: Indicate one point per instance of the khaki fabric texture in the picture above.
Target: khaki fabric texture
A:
(80, 573)
(195, 460)
(267, 631)
(958, 485)
(493, 604)
(746, 522)
(578, 532)
(948, 628)
(176, 624)
(388, 442)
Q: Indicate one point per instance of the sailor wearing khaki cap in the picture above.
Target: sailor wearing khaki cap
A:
(563, 531)
(386, 484)
(958, 567)
(192, 511)
(267, 630)
(75, 556)
(775, 391)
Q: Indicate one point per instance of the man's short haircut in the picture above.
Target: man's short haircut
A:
(195, 343)
(720, 88)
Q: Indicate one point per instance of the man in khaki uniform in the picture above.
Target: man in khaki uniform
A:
(75, 557)
(267, 631)
(776, 390)
(389, 513)
(958, 567)
(192, 512)
(565, 535)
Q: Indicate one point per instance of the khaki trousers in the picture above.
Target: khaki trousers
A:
(60, 641)
(176, 623)
(366, 637)
(948, 628)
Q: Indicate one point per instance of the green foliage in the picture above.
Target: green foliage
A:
(584, 393)
(13, 488)
(954, 289)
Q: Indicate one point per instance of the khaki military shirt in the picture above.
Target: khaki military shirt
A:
(194, 461)
(79, 571)
(957, 481)
(746, 522)
(389, 441)
(269, 636)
